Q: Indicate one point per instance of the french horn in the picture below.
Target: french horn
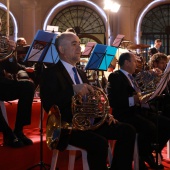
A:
(89, 113)
(4, 49)
(147, 82)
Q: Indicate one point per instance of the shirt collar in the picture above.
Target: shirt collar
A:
(67, 66)
(125, 72)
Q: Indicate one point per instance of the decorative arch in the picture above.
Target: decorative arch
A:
(13, 23)
(143, 13)
(64, 4)
(90, 37)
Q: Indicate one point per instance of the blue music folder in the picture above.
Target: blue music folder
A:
(101, 57)
(43, 48)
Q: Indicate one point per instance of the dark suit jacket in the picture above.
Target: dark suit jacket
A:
(119, 90)
(56, 88)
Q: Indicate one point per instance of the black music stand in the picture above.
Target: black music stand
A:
(42, 51)
(101, 57)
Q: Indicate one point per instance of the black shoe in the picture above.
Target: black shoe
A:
(142, 165)
(152, 164)
(12, 141)
(24, 139)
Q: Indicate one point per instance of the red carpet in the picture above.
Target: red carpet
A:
(28, 156)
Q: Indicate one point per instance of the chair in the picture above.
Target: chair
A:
(72, 154)
(3, 109)
(168, 149)
(135, 155)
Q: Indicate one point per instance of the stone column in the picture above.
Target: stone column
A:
(121, 22)
(28, 24)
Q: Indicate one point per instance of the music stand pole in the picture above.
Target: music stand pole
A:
(42, 51)
(41, 164)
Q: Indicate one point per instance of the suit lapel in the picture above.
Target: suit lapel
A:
(125, 78)
(64, 72)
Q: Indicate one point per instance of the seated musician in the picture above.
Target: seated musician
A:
(59, 85)
(158, 63)
(12, 89)
(124, 98)
(21, 50)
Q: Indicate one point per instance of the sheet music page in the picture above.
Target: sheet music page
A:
(37, 50)
(40, 47)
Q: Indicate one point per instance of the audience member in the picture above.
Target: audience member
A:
(10, 90)
(57, 88)
(33, 69)
(124, 98)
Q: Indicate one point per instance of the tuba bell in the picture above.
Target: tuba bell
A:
(4, 49)
(89, 113)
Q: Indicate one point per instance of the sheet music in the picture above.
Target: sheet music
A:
(37, 50)
(42, 48)
(118, 40)
(89, 47)
(101, 57)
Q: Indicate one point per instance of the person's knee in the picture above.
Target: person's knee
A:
(101, 147)
(27, 86)
(128, 131)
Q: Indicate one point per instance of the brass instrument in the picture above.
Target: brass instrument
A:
(89, 113)
(89, 108)
(147, 82)
(4, 49)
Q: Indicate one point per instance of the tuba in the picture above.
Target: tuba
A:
(89, 113)
(4, 49)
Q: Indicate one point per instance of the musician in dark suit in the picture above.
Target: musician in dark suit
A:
(11, 89)
(58, 86)
(124, 98)
(157, 48)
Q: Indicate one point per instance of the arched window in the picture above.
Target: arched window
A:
(3, 16)
(86, 22)
(156, 25)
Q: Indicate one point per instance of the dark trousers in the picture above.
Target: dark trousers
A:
(151, 127)
(24, 92)
(96, 144)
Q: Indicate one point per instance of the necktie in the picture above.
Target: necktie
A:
(76, 78)
(136, 87)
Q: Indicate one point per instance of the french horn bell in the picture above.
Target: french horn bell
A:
(89, 113)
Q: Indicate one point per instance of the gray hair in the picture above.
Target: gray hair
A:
(60, 38)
